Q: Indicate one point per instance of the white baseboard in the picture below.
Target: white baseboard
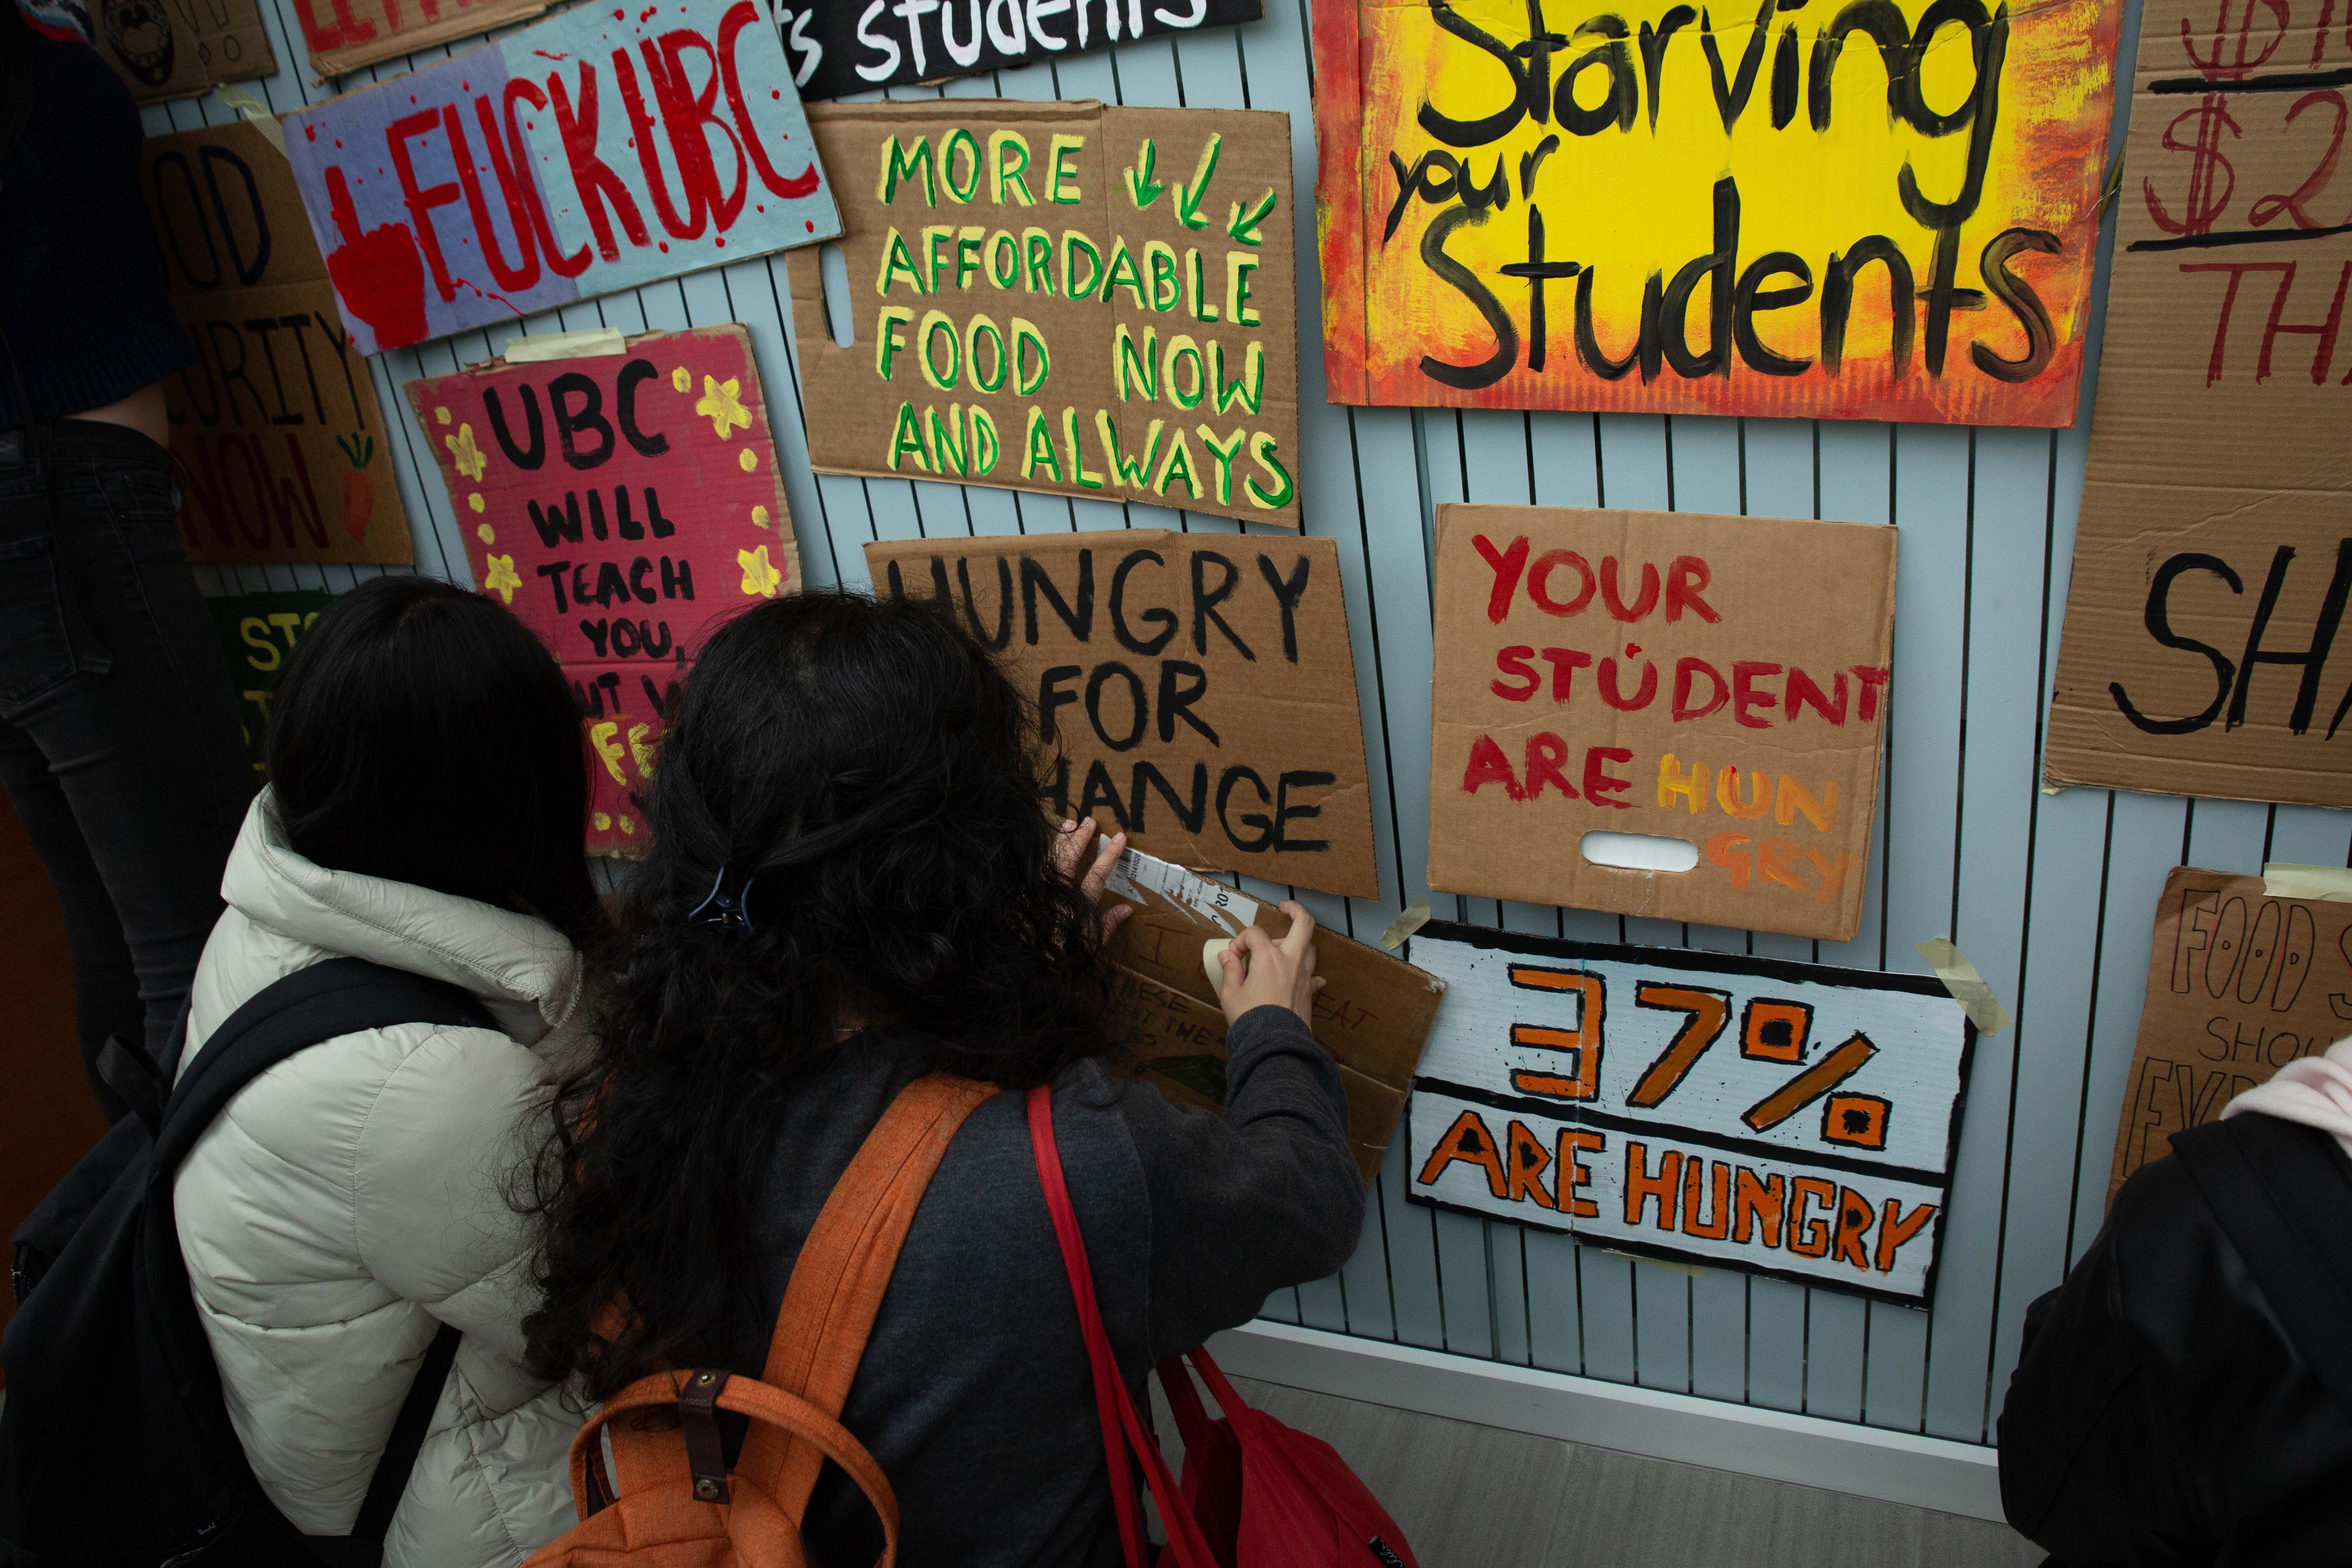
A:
(1866, 1461)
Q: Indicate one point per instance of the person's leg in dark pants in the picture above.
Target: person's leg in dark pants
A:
(120, 745)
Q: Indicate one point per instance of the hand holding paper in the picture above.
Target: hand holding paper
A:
(1264, 972)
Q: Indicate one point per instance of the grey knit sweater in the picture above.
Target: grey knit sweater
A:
(974, 1395)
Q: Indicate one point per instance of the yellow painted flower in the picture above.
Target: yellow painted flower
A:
(441, 415)
(628, 824)
(721, 404)
(474, 501)
(501, 579)
(603, 822)
(760, 575)
(747, 459)
(467, 457)
(759, 517)
(487, 534)
(681, 380)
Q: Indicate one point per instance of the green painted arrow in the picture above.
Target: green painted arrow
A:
(1141, 188)
(1242, 225)
(1189, 194)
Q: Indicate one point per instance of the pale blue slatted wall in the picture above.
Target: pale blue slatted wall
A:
(2050, 896)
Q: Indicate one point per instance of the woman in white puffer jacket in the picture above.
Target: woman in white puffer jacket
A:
(425, 813)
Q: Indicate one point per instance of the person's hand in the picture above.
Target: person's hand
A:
(1261, 972)
(1070, 853)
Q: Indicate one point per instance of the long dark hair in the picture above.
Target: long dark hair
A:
(863, 778)
(424, 735)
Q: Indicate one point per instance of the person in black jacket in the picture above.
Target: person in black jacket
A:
(2186, 1395)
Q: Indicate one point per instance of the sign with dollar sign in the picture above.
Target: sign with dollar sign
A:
(2213, 562)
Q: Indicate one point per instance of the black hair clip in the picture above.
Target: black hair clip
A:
(720, 908)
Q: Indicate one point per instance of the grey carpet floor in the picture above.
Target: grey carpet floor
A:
(1478, 1497)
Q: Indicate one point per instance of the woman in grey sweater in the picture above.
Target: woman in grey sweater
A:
(852, 885)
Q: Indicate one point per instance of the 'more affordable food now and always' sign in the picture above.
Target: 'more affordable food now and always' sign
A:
(1883, 210)
(596, 151)
(1060, 296)
(1787, 1119)
(1660, 713)
(620, 504)
(1200, 688)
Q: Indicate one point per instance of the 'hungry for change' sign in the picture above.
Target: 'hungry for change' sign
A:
(1881, 210)
(280, 442)
(595, 151)
(620, 504)
(1060, 296)
(1660, 713)
(2213, 560)
(1200, 689)
(1786, 1119)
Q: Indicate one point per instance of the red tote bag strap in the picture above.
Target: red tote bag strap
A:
(1122, 1426)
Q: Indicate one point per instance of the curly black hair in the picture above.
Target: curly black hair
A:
(867, 780)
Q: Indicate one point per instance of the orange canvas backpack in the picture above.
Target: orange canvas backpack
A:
(669, 1501)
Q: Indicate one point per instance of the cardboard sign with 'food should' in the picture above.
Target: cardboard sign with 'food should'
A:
(1201, 690)
(1660, 713)
(1786, 1119)
(2212, 565)
(1372, 1014)
(596, 151)
(1060, 296)
(281, 444)
(2239, 985)
(620, 504)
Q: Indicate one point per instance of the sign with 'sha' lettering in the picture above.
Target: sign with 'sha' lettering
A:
(1887, 209)
(620, 504)
(1790, 1120)
(856, 46)
(596, 151)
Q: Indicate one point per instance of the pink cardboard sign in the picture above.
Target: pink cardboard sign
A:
(620, 504)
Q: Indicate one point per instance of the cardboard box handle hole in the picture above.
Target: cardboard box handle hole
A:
(1640, 851)
(833, 271)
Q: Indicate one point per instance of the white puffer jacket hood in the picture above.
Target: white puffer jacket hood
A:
(354, 1197)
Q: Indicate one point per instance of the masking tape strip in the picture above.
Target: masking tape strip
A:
(590, 343)
(1668, 1264)
(2328, 884)
(1212, 901)
(248, 104)
(1967, 986)
(1410, 920)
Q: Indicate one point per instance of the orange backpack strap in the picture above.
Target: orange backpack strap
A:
(843, 1271)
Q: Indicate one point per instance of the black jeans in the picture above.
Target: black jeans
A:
(119, 737)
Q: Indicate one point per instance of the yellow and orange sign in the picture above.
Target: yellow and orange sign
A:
(1877, 209)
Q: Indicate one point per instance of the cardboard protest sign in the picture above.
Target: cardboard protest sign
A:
(1786, 1119)
(258, 632)
(1715, 686)
(2239, 985)
(1065, 296)
(1200, 690)
(343, 35)
(1652, 208)
(857, 47)
(1372, 1014)
(620, 504)
(182, 49)
(492, 184)
(281, 440)
(2213, 558)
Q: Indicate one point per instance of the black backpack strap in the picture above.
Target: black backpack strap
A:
(324, 1002)
(392, 1471)
(2281, 1192)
